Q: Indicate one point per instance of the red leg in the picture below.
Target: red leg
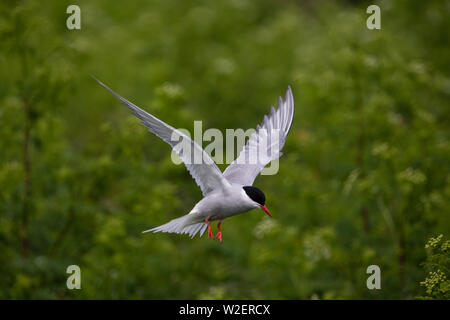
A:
(210, 234)
(219, 234)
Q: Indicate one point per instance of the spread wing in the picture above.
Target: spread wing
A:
(199, 164)
(264, 145)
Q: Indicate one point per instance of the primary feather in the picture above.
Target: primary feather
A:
(262, 147)
(205, 173)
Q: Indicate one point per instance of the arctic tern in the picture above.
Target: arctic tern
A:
(231, 192)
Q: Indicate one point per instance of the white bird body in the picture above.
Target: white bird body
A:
(231, 192)
(223, 204)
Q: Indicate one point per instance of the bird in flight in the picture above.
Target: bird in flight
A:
(231, 192)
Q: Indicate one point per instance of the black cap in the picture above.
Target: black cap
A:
(255, 194)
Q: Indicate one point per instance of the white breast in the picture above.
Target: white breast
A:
(223, 204)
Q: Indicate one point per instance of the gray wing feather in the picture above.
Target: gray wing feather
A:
(257, 153)
(205, 172)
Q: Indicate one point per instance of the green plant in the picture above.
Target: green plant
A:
(437, 282)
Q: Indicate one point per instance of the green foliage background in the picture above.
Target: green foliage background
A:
(364, 178)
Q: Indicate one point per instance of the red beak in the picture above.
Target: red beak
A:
(264, 208)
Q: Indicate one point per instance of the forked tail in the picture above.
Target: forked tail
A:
(182, 225)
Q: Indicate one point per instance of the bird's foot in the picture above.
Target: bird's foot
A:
(219, 236)
(210, 234)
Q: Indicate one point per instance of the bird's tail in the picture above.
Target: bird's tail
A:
(183, 225)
